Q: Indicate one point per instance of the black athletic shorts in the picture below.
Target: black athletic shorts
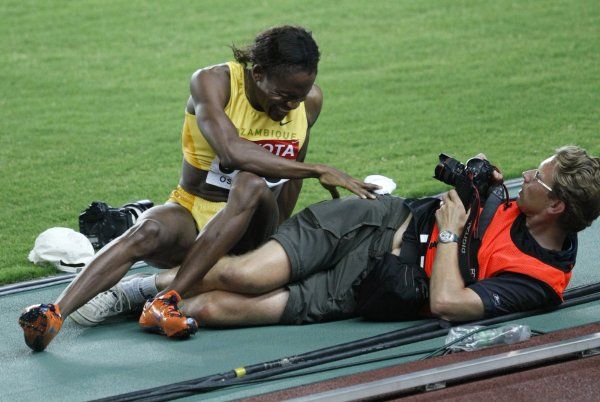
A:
(329, 246)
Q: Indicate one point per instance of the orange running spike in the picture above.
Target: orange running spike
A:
(40, 323)
(161, 315)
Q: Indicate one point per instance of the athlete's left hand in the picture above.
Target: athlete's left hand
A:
(451, 214)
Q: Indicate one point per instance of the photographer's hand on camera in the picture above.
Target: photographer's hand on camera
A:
(451, 214)
(497, 177)
(331, 178)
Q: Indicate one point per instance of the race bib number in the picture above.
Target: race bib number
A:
(221, 177)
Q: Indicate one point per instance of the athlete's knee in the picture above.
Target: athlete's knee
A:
(249, 188)
(249, 180)
(145, 237)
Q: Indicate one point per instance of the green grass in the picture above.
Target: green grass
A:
(93, 94)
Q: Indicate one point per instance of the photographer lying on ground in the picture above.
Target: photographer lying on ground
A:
(399, 259)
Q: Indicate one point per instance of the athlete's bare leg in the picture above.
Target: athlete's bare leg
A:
(162, 236)
(251, 213)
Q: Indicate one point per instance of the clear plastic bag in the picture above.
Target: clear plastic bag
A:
(505, 335)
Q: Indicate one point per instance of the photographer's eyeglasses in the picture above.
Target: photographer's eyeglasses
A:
(536, 177)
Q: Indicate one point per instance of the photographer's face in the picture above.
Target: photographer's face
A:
(534, 197)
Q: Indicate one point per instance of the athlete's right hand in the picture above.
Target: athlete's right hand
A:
(331, 178)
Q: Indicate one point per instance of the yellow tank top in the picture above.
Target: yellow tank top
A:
(283, 138)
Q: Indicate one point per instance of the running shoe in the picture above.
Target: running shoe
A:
(161, 315)
(40, 323)
(107, 304)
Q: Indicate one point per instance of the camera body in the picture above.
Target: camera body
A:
(476, 175)
(101, 223)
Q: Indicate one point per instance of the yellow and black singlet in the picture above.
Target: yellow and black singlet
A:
(284, 138)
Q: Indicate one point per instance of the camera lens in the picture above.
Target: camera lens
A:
(448, 170)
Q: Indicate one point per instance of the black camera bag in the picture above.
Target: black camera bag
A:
(392, 290)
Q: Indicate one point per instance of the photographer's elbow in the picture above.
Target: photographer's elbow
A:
(457, 307)
(447, 309)
(440, 308)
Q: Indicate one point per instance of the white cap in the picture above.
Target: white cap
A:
(387, 185)
(66, 249)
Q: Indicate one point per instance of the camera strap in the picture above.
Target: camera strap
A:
(477, 223)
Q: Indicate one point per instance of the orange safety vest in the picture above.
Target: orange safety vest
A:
(498, 253)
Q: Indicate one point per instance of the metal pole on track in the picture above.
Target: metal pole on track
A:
(428, 330)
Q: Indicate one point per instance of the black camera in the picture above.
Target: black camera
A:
(475, 176)
(101, 223)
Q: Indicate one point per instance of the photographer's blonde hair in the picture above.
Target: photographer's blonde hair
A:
(577, 184)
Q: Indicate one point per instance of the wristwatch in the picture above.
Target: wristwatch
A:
(447, 236)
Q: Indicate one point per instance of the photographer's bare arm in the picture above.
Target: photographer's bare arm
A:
(449, 298)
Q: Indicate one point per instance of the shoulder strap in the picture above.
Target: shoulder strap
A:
(495, 198)
(475, 228)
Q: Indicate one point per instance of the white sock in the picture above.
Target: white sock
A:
(140, 289)
(148, 287)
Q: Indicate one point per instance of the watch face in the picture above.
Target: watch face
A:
(446, 236)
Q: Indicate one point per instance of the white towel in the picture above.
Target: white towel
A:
(387, 185)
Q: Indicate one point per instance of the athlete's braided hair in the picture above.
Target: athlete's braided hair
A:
(281, 49)
(577, 184)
